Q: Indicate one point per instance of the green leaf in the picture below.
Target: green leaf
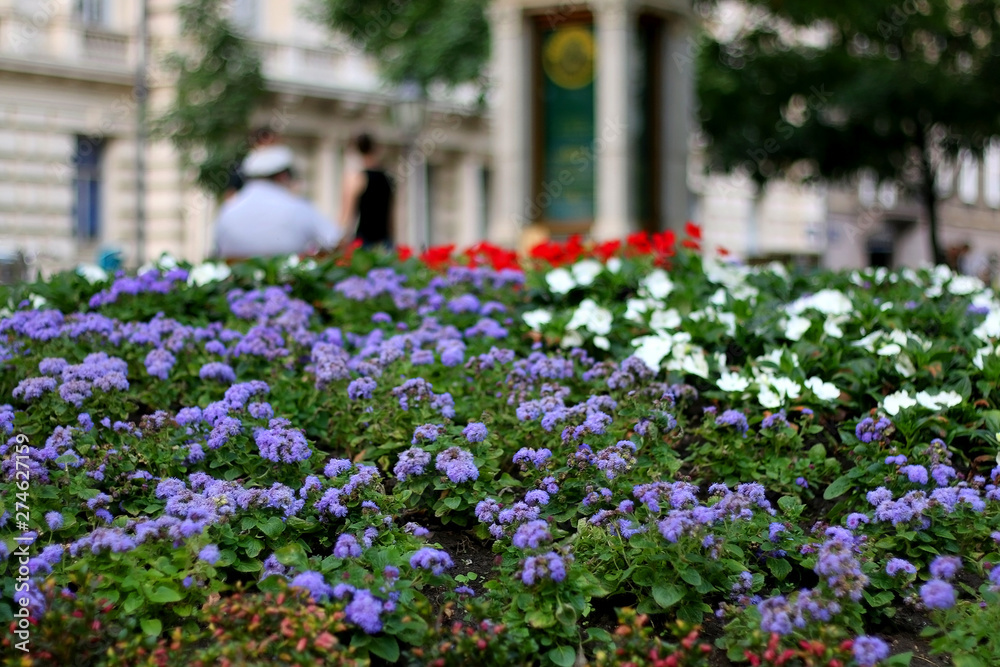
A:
(779, 567)
(163, 595)
(667, 595)
(599, 635)
(151, 626)
(564, 656)
(839, 487)
(452, 502)
(272, 527)
(898, 660)
(132, 602)
(691, 576)
(384, 647)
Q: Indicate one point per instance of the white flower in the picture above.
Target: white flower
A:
(308, 265)
(719, 298)
(258, 275)
(786, 387)
(560, 281)
(92, 273)
(37, 301)
(586, 270)
(868, 342)
(943, 400)
(989, 328)
(652, 349)
(732, 382)
(826, 301)
(662, 320)
(601, 342)
(657, 284)
(206, 273)
(768, 397)
(290, 262)
(889, 350)
(166, 262)
(904, 366)
(824, 391)
(634, 309)
(695, 363)
(614, 264)
(536, 319)
(962, 285)
(901, 400)
(729, 319)
(591, 316)
(796, 326)
(831, 327)
(571, 339)
(885, 307)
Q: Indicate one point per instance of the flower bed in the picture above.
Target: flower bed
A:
(623, 454)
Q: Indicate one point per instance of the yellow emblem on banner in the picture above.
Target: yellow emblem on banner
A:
(568, 57)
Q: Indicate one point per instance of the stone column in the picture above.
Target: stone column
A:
(614, 22)
(511, 122)
(677, 85)
(470, 204)
(328, 177)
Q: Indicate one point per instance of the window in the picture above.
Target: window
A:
(87, 188)
(968, 178)
(991, 174)
(93, 12)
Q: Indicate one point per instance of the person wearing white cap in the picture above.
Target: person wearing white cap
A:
(265, 219)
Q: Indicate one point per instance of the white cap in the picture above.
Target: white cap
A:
(267, 161)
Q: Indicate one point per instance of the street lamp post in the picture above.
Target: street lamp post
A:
(409, 112)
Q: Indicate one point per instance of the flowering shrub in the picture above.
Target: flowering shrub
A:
(411, 455)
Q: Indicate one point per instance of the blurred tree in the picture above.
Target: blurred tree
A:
(425, 41)
(219, 85)
(827, 88)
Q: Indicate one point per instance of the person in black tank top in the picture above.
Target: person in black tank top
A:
(368, 198)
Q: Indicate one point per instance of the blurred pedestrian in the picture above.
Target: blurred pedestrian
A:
(258, 138)
(265, 218)
(367, 197)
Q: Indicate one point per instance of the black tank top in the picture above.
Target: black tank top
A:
(374, 205)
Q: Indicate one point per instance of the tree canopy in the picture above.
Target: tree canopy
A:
(219, 85)
(826, 88)
(444, 42)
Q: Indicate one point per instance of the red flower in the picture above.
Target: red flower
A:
(692, 230)
(639, 242)
(438, 256)
(693, 245)
(663, 243)
(722, 251)
(605, 251)
(404, 252)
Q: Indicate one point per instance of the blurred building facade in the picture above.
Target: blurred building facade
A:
(68, 131)
(68, 152)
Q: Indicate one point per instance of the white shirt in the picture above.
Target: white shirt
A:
(264, 219)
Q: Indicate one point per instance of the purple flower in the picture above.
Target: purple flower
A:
(537, 458)
(54, 520)
(475, 432)
(869, 430)
(364, 610)
(218, 371)
(937, 594)
(550, 565)
(774, 530)
(532, 534)
(897, 565)
(428, 432)
(361, 389)
(159, 362)
(855, 519)
(435, 560)
(209, 554)
(942, 473)
(457, 464)
(945, 567)
(225, 428)
(411, 463)
(281, 444)
(869, 651)
(336, 466)
(916, 474)
(347, 547)
(733, 418)
(313, 582)
(32, 388)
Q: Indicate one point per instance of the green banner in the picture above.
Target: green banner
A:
(566, 191)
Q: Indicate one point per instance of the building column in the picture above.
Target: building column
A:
(511, 124)
(613, 20)
(677, 85)
(328, 177)
(470, 205)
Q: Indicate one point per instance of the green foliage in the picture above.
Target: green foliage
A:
(427, 41)
(891, 87)
(219, 84)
